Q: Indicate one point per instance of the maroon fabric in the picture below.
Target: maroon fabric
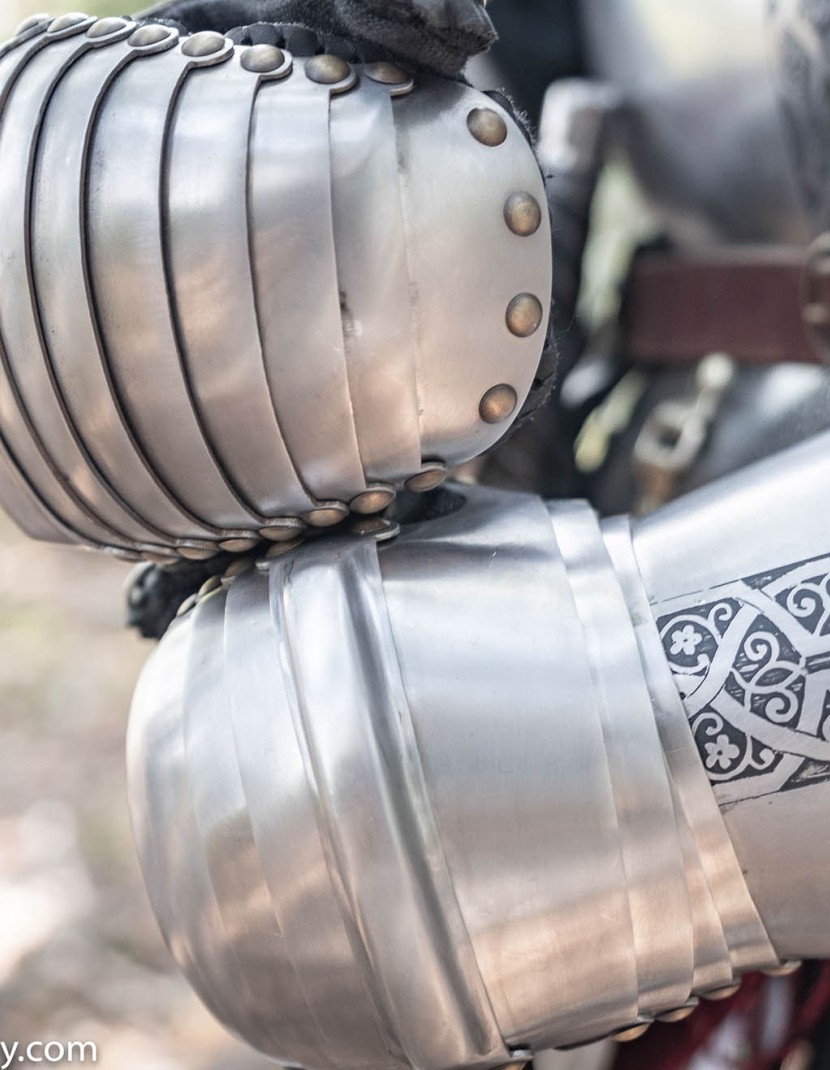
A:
(747, 302)
(671, 1047)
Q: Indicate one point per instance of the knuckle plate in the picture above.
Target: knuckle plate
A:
(236, 291)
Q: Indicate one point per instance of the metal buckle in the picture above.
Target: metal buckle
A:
(677, 430)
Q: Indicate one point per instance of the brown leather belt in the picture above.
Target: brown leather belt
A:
(759, 305)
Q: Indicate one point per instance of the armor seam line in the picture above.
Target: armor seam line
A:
(279, 595)
(726, 879)
(108, 490)
(344, 344)
(312, 501)
(175, 322)
(94, 313)
(195, 664)
(451, 917)
(262, 582)
(63, 484)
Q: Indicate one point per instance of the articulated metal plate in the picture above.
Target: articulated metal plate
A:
(513, 781)
(245, 291)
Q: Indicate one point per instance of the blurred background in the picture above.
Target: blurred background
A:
(80, 955)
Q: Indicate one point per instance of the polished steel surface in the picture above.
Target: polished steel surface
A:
(139, 335)
(18, 491)
(531, 837)
(487, 258)
(727, 931)
(756, 544)
(60, 273)
(209, 256)
(227, 283)
(43, 441)
(496, 684)
(701, 119)
(643, 795)
(300, 319)
(371, 239)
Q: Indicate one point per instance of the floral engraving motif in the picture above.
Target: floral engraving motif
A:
(721, 752)
(686, 640)
(752, 663)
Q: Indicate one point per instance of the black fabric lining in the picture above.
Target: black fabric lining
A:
(439, 36)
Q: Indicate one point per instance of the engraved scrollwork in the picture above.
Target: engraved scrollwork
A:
(809, 601)
(728, 753)
(691, 638)
(752, 665)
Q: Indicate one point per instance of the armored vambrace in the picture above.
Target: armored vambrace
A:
(516, 780)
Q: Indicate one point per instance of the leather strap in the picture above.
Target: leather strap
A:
(759, 305)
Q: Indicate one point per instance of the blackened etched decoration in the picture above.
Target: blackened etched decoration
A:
(751, 660)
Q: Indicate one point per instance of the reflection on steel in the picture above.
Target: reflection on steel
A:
(242, 288)
(439, 801)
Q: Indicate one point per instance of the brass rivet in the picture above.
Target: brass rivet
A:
(327, 70)
(161, 557)
(721, 993)
(206, 43)
(284, 529)
(262, 59)
(625, 1036)
(278, 550)
(524, 315)
(498, 403)
(523, 214)
(198, 553)
(30, 23)
(239, 546)
(187, 605)
(386, 73)
(105, 27)
(487, 126)
(327, 515)
(432, 475)
(125, 555)
(66, 22)
(373, 500)
(146, 36)
(376, 526)
(236, 568)
(785, 969)
(211, 584)
(679, 1014)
